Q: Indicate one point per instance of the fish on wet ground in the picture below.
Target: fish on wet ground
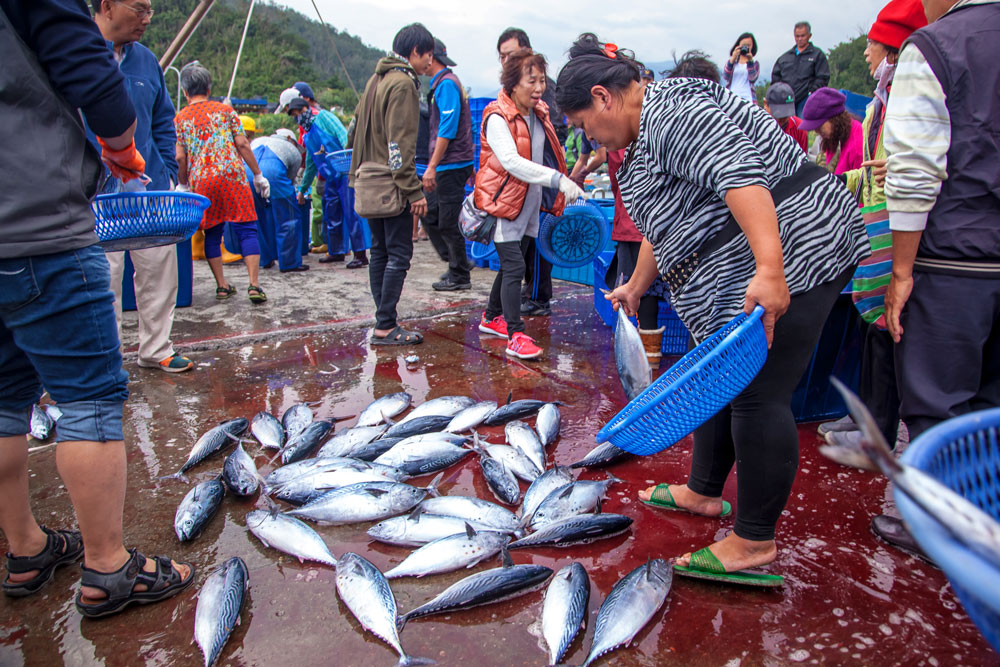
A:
(575, 498)
(367, 501)
(289, 535)
(603, 455)
(41, 424)
(375, 448)
(519, 464)
(547, 423)
(496, 585)
(513, 410)
(579, 529)
(349, 441)
(523, 438)
(212, 441)
(198, 506)
(630, 605)
(268, 430)
(311, 485)
(474, 510)
(443, 406)
(630, 357)
(549, 481)
(383, 408)
(418, 426)
(499, 479)
(220, 601)
(239, 472)
(366, 593)
(471, 417)
(302, 445)
(424, 456)
(453, 552)
(295, 419)
(564, 609)
(418, 528)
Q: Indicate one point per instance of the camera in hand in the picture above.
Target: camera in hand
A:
(744, 50)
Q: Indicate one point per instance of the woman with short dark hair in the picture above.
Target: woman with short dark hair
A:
(733, 216)
(741, 70)
(522, 172)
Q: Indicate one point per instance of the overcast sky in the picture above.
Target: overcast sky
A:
(654, 29)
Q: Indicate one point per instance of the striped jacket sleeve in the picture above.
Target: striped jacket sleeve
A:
(917, 137)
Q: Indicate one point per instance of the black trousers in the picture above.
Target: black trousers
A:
(626, 257)
(505, 296)
(537, 273)
(392, 250)
(441, 221)
(877, 384)
(948, 359)
(757, 430)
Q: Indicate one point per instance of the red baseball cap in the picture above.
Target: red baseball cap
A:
(897, 21)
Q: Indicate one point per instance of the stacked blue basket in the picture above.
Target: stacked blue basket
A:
(963, 454)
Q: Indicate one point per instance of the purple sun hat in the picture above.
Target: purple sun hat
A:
(821, 106)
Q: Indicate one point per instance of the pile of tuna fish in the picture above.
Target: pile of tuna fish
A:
(366, 475)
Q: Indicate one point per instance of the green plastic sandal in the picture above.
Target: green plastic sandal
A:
(661, 498)
(704, 565)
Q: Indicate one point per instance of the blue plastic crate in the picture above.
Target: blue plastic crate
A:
(963, 454)
(582, 275)
(601, 305)
(494, 263)
(606, 206)
(693, 390)
(675, 334)
(136, 220)
(185, 278)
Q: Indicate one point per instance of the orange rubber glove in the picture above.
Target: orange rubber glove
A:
(125, 164)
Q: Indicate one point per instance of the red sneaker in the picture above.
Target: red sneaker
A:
(496, 327)
(523, 346)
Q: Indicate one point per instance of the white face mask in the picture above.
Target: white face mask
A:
(883, 75)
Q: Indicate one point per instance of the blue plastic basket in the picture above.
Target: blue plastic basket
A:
(421, 169)
(136, 220)
(963, 454)
(341, 161)
(675, 334)
(481, 252)
(700, 384)
(575, 238)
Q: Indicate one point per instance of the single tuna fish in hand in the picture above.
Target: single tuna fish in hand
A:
(289, 535)
(41, 423)
(630, 357)
(199, 505)
(220, 601)
(629, 606)
(564, 609)
(384, 408)
(366, 593)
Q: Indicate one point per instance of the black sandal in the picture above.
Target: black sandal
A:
(119, 586)
(398, 336)
(61, 548)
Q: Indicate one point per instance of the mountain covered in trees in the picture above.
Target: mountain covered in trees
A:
(282, 47)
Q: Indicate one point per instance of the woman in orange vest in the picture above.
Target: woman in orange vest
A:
(522, 172)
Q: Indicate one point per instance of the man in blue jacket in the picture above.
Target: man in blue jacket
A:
(122, 24)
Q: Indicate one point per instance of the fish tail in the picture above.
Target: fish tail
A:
(401, 622)
(614, 480)
(177, 475)
(410, 661)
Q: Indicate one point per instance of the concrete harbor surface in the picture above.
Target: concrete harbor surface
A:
(848, 598)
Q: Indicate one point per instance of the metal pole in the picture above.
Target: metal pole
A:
(174, 69)
(239, 52)
(185, 33)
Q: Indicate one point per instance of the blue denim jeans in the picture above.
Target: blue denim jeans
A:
(58, 331)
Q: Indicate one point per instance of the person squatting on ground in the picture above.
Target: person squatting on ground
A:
(451, 151)
(522, 171)
(739, 218)
(942, 136)
(877, 384)
(322, 135)
(384, 137)
(840, 135)
(155, 275)
(210, 143)
(57, 317)
(278, 220)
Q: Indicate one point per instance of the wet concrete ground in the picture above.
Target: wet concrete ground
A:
(848, 598)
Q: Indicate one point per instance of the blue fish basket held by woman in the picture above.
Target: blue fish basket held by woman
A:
(522, 172)
(739, 219)
(210, 143)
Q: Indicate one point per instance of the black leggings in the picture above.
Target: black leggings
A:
(757, 430)
(505, 297)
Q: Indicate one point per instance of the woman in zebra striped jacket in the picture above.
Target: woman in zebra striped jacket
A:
(733, 216)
